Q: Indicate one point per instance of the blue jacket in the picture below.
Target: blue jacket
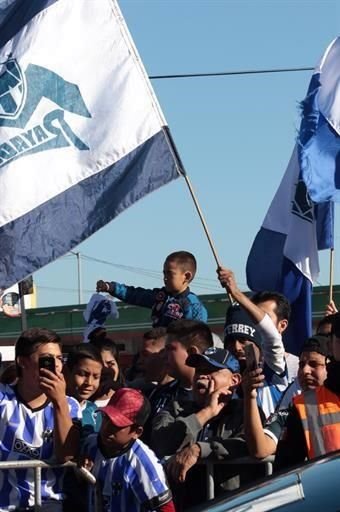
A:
(165, 307)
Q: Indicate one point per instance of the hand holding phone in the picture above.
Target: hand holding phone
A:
(47, 362)
(252, 357)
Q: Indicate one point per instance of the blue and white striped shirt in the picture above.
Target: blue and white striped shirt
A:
(132, 481)
(27, 434)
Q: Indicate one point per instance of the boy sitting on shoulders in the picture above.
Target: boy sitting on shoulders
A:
(172, 302)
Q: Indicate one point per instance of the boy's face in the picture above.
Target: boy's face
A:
(175, 278)
(114, 439)
(85, 379)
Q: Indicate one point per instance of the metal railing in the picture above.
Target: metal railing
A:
(38, 465)
(210, 464)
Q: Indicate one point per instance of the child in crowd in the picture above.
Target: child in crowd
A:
(83, 370)
(128, 474)
(173, 301)
(112, 377)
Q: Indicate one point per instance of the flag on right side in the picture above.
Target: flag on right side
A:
(299, 222)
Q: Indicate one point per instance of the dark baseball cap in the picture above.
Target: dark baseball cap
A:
(127, 407)
(317, 343)
(218, 357)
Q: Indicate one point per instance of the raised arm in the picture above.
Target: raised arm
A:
(227, 280)
(259, 444)
(66, 433)
(129, 294)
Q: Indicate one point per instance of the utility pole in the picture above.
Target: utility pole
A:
(22, 307)
(79, 278)
(78, 255)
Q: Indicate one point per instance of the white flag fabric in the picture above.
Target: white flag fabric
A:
(98, 309)
(82, 136)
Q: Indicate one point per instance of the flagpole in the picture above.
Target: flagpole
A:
(331, 273)
(205, 227)
(181, 172)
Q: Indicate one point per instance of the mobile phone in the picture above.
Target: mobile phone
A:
(47, 362)
(252, 359)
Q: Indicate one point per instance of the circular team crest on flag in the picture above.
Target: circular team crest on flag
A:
(12, 89)
(10, 305)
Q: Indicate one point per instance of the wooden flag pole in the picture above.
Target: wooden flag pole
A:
(331, 273)
(205, 227)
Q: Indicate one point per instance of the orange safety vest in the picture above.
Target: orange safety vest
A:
(319, 411)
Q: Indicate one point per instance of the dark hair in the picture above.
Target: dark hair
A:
(104, 343)
(143, 413)
(155, 333)
(335, 319)
(326, 320)
(97, 333)
(191, 332)
(30, 340)
(317, 343)
(184, 259)
(282, 305)
(83, 351)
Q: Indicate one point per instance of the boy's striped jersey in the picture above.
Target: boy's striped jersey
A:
(133, 481)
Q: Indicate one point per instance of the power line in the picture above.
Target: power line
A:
(231, 73)
(200, 282)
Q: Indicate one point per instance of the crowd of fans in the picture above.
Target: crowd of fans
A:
(187, 398)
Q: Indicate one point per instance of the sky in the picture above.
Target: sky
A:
(235, 135)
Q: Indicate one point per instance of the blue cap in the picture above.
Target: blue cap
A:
(218, 357)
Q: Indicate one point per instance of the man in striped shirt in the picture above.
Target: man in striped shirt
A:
(129, 476)
(37, 421)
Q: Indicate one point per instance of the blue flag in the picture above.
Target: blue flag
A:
(319, 139)
(284, 255)
(82, 136)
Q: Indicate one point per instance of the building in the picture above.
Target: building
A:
(133, 321)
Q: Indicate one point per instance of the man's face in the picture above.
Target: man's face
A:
(236, 347)
(156, 366)
(175, 278)
(115, 438)
(208, 379)
(312, 370)
(177, 354)
(149, 348)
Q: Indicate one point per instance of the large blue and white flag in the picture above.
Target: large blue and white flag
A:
(284, 255)
(319, 139)
(82, 136)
